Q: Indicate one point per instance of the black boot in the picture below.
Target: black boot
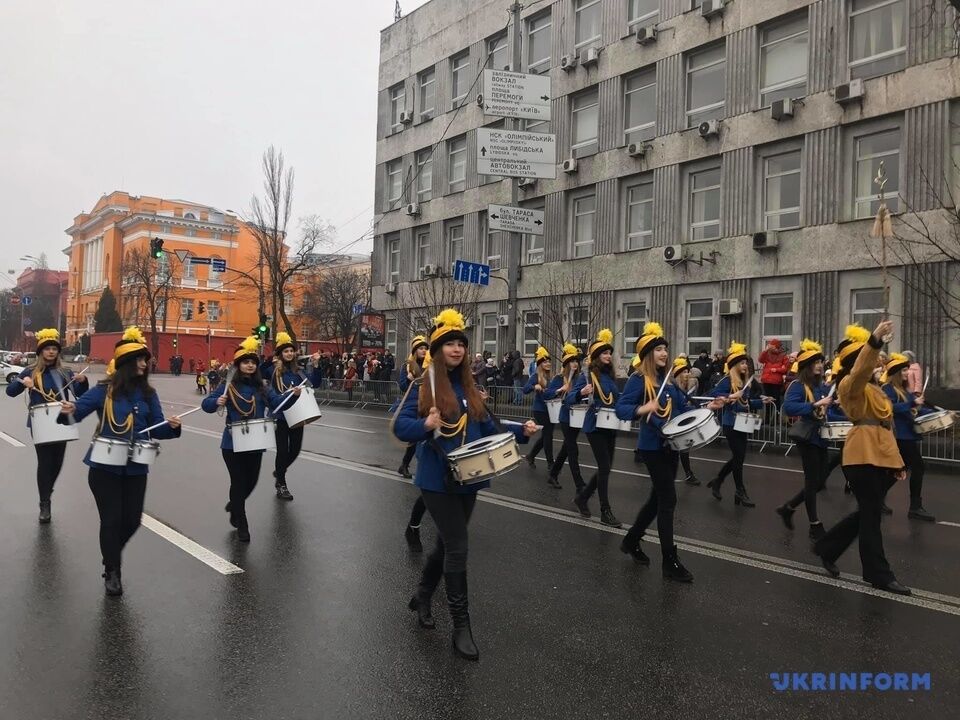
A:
(463, 644)
(627, 547)
(608, 518)
(243, 530)
(582, 505)
(554, 482)
(691, 479)
(786, 514)
(420, 603)
(111, 582)
(916, 512)
(282, 492)
(412, 535)
(531, 462)
(404, 472)
(816, 531)
(741, 498)
(714, 486)
(673, 570)
(45, 512)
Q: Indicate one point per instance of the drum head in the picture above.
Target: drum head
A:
(687, 420)
(482, 444)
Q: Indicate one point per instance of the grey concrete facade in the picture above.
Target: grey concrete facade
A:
(825, 263)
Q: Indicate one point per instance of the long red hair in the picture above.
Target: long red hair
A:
(446, 401)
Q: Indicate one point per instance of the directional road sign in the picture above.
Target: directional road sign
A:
(198, 260)
(516, 154)
(26, 300)
(358, 309)
(517, 95)
(218, 265)
(181, 255)
(471, 272)
(516, 219)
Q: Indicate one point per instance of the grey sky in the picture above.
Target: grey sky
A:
(179, 99)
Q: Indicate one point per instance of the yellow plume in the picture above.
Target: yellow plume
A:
(653, 328)
(133, 334)
(679, 364)
(856, 333)
(737, 348)
(427, 360)
(569, 349)
(808, 345)
(635, 363)
(605, 336)
(836, 367)
(111, 368)
(449, 318)
(282, 339)
(897, 358)
(542, 354)
(795, 368)
(47, 334)
(250, 344)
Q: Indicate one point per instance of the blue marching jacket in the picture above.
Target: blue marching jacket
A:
(609, 387)
(541, 396)
(795, 404)
(903, 416)
(553, 392)
(651, 430)
(260, 398)
(50, 383)
(146, 411)
(431, 468)
(730, 411)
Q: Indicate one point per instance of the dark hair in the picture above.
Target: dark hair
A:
(807, 376)
(598, 367)
(125, 380)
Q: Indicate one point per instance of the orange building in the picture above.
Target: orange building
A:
(106, 242)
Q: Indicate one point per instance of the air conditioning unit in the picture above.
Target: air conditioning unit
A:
(590, 57)
(781, 109)
(468, 321)
(413, 208)
(494, 262)
(709, 128)
(712, 8)
(527, 182)
(406, 117)
(766, 240)
(503, 320)
(428, 270)
(646, 35)
(849, 92)
(637, 150)
(480, 99)
(568, 62)
(390, 288)
(672, 254)
(569, 166)
(729, 306)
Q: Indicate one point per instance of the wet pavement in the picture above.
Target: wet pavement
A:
(316, 625)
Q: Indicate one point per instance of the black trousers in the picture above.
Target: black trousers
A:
(870, 485)
(662, 466)
(244, 470)
(545, 441)
(833, 462)
(120, 504)
(738, 447)
(49, 463)
(416, 514)
(451, 514)
(603, 442)
(569, 453)
(815, 464)
(408, 455)
(910, 452)
(289, 442)
(685, 461)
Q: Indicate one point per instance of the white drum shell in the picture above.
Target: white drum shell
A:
(253, 435)
(747, 422)
(577, 415)
(44, 426)
(484, 458)
(144, 451)
(932, 422)
(110, 451)
(303, 410)
(836, 431)
(553, 410)
(607, 419)
(691, 430)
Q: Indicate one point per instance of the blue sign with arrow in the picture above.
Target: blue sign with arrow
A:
(471, 272)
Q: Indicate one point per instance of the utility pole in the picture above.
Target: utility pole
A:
(514, 250)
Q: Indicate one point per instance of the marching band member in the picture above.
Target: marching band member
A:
(559, 387)
(538, 384)
(455, 416)
(871, 460)
(681, 377)
(413, 373)
(647, 395)
(906, 407)
(737, 397)
(602, 388)
(126, 404)
(245, 397)
(45, 379)
(807, 398)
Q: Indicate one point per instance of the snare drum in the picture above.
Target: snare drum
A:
(303, 410)
(691, 430)
(144, 451)
(110, 451)
(577, 415)
(835, 431)
(253, 435)
(933, 421)
(484, 458)
(607, 418)
(553, 410)
(44, 426)
(747, 422)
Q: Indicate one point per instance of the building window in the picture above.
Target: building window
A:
(586, 122)
(579, 318)
(165, 229)
(393, 260)
(189, 269)
(955, 153)
(640, 107)
(532, 245)
(428, 94)
(186, 310)
(459, 76)
(639, 216)
(457, 164)
(213, 310)
(394, 182)
(867, 307)
(423, 249)
(878, 37)
(492, 242)
(783, 60)
(189, 216)
(870, 151)
(588, 15)
(455, 243)
(391, 339)
(191, 232)
(531, 332)
(163, 270)
(214, 278)
(536, 126)
(424, 175)
(398, 97)
(489, 329)
(538, 42)
(584, 212)
(781, 191)
(218, 236)
(777, 319)
(706, 85)
(704, 204)
(497, 53)
(699, 327)
(642, 12)
(634, 316)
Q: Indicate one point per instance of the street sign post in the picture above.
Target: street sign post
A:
(516, 219)
(513, 153)
(27, 322)
(471, 272)
(26, 300)
(516, 95)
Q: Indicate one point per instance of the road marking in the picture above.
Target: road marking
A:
(341, 427)
(12, 440)
(190, 547)
(951, 524)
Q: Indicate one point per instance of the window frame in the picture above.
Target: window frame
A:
(462, 182)
(690, 226)
(493, 46)
(452, 242)
(629, 185)
(393, 202)
(721, 106)
(650, 126)
(852, 65)
(455, 69)
(424, 194)
(630, 341)
(575, 199)
(390, 331)
(186, 304)
(393, 259)
(530, 31)
(578, 316)
(527, 238)
(588, 147)
(688, 318)
(643, 20)
(800, 18)
(213, 310)
(579, 6)
(423, 250)
(857, 134)
(398, 104)
(858, 315)
(765, 337)
(765, 156)
(486, 325)
(525, 349)
(426, 113)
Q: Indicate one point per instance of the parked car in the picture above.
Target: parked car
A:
(9, 372)
(79, 358)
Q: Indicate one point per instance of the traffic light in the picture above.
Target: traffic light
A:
(262, 327)
(189, 313)
(201, 308)
(175, 343)
(156, 248)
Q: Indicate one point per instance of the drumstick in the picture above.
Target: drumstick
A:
(60, 393)
(514, 422)
(433, 393)
(287, 398)
(925, 383)
(181, 416)
(60, 389)
(663, 386)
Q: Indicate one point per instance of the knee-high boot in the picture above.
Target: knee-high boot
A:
(463, 644)
(429, 579)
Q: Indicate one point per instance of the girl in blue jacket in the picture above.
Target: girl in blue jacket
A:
(126, 404)
(456, 416)
(245, 397)
(600, 386)
(44, 379)
(539, 384)
(411, 373)
(558, 388)
(906, 408)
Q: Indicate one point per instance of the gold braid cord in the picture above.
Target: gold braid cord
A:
(662, 411)
(236, 397)
(449, 430)
(605, 399)
(115, 428)
(48, 395)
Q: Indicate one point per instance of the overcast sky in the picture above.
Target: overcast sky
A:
(179, 99)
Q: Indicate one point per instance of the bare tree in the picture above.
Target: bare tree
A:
(147, 287)
(941, 16)
(330, 298)
(417, 303)
(573, 290)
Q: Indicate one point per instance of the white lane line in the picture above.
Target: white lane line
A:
(190, 547)
(12, 440)
(333, 427)
(951, 524)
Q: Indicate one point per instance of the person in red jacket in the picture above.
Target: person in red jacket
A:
(776, 364)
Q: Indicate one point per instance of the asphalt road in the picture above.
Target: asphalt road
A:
(309, 620)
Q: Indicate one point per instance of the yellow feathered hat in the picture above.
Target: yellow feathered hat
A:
(855, 337)
(447, 326)
(680, 364)
(603, 342)
(810, 352)
(635, 363)
(895, 364)
(651, 337)
(131, 345)
(111, 368)
(735, 353)
(570, 352)
(247, 350)
(47, 337)
(418, 341)
(282, 343)
(541, 355)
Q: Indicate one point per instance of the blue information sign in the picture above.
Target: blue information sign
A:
(471, 272)
(218, 265)
(26, 300)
